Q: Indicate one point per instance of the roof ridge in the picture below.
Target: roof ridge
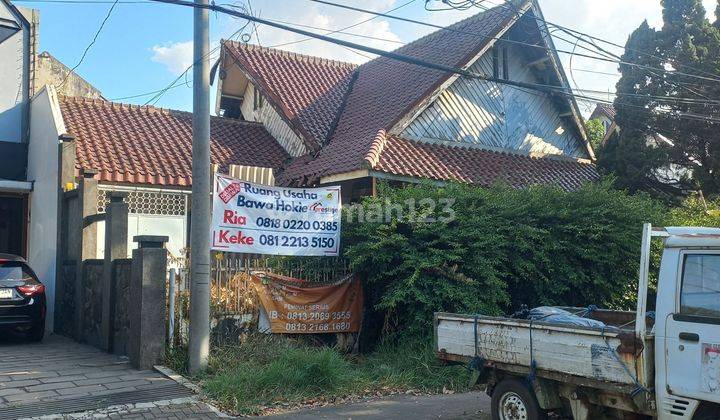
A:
(115, 105)
(372, 157)
(148, 108)
(290, 54)
(453, 26)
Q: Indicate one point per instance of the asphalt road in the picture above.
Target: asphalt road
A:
(474, 405)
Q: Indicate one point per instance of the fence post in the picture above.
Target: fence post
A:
(147, 294)
(116, 239)
(87, 243)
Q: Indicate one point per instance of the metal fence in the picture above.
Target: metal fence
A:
(232, 295)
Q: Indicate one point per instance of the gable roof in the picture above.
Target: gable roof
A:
(603, 109)
(148, 145)
(387, 89)
(307, 91)
(383, 93)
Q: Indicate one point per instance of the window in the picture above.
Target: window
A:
(700, 295)
(500, 62)
(14, 271)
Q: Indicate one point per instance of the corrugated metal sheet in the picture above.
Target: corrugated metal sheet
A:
(501, 116)
(254, 174)
(273, 123)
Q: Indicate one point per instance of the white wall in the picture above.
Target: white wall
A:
(273, 122)
(45, 127)
(175, 227)
(14, 63)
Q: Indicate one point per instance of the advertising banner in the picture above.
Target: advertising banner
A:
(315, 310)
(260, 219)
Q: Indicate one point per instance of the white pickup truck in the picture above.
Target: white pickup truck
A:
(665, 366)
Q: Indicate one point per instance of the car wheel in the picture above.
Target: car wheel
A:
(513, 400)
(36, 333)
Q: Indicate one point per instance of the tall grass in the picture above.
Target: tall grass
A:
(269, 370)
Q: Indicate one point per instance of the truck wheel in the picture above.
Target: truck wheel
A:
(707, 412)
(513, 400)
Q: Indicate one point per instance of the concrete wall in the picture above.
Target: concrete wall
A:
(14, 79)
(45, 126)
(50, 71)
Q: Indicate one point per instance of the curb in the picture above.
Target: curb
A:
(181, 380)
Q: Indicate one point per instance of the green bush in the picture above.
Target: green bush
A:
(505, 247)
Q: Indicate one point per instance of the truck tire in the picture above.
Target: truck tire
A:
(707, 412)
(513, 400)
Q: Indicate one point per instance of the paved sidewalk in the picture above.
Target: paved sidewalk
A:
(61, 376)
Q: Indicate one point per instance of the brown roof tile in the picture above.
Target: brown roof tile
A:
(148, 145)
(386, 90)
(308, 90)
(478, 166)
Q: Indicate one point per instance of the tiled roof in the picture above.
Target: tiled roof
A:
(400, 156)
(602, 108)
(308, 90)
(148, 145)
(386, 90)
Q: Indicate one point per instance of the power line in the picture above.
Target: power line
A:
(98, 2)
(508, 5)
(140, 95)
(97, 33)
(418, 22)
(160, 93)
(347, 27)
(393, 55)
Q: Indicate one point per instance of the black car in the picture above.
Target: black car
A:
(22, 298)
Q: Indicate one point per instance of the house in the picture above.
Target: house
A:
(606, 114)
(387, 119)
(17, 42)
(29, 142)
(296, 120)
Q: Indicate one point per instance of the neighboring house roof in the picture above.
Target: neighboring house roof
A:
(377, 96)
(148, 145)
(603, 109)
(307, 90)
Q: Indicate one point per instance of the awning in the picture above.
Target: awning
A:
(7, 185)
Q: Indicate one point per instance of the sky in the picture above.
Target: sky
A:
(145, 46)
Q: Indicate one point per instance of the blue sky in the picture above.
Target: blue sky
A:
(145, 46)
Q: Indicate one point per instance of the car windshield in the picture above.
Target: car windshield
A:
(14, 270)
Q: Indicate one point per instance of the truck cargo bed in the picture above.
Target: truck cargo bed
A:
(586, 354)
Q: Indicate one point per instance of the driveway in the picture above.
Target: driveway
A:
(61, 376)
(474, 405)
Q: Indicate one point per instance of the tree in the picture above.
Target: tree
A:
(596, 133)
(670, 86)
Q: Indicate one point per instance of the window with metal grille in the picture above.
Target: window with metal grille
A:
(148, 202)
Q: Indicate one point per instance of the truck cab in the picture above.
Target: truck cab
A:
(687, 324)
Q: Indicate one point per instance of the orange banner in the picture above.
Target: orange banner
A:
(315, 310)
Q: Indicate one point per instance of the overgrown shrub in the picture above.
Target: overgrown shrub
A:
(505, 247)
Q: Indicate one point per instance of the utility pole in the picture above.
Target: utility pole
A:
(199, 346)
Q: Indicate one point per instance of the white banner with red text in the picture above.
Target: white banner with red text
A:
(261, 219)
